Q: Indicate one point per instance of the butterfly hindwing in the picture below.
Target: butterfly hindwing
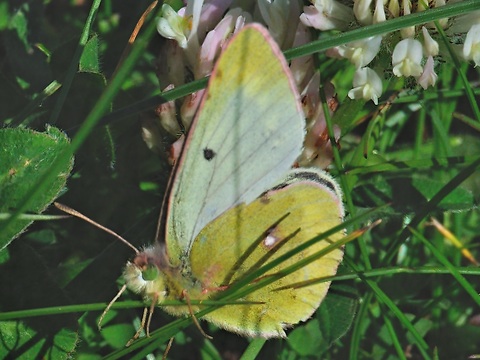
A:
(247, 237)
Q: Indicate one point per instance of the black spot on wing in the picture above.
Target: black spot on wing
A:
(209, 154)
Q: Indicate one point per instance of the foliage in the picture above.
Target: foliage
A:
(411, 290)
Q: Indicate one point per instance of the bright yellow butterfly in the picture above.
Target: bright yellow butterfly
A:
(235, 204)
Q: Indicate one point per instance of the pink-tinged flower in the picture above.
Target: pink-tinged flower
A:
(199, 34)
(407, 58)
(302, 68)
(211, 13)
(363, 14)
(367, 85)
(189, 107)
(430, 46)
(428, 77)
(171, 64)
(151, 133)
(190, 25)
(311, 99)
(233, 21)
(471, 47)
(168, 115)
(361, 52)
(327, 15)
(176, 150)
(317, 149)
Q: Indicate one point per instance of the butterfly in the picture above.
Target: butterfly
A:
(235, 205)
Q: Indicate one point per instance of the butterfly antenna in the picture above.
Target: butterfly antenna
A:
(107, 309)
(75, 213)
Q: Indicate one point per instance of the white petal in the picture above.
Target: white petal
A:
(367, 85)
(471, 47)
(430, 46)
(407, 57)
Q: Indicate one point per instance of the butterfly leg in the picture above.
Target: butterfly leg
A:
(167, 349)
(194, 318)
(139, 331)
(150, 313)
(107, 309)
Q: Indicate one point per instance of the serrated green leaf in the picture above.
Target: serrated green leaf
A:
(20, 341)
(25, 156)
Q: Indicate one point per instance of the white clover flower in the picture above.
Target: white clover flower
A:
(361, 52)
(361, 9)
(182, 27)
(463, 23)
(430, 46)
(471, 47)
(367, 85)
(409, 31)
(173, 26)
(275, 14)
(407, 57)
(442, 22)
(327, 15)
(280, 16)
(394, 8)
(428, 77)
(379, 13)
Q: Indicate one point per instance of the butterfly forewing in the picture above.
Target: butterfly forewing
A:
(248, 133)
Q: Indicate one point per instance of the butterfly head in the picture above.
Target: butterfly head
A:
(145, 275)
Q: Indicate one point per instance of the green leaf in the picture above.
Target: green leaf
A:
(19, 23)
(25, 156)
(458, 199)
(89, 61)
(29, 285)
(20, 341)
(333, 319)
(337, 312)
(117, 335)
